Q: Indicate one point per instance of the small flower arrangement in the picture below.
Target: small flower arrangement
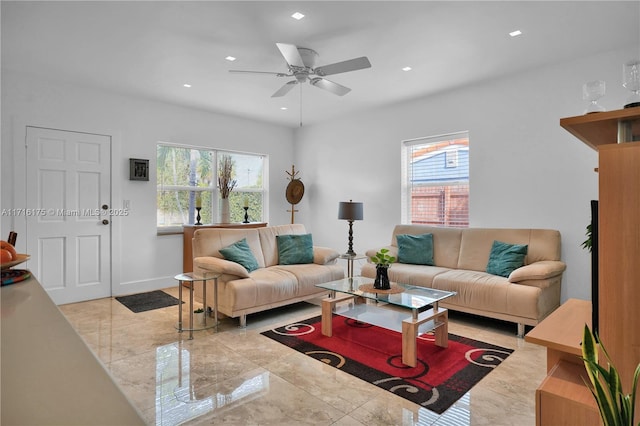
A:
(382, 258)
(198, 311)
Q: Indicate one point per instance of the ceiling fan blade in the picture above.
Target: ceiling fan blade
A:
(291, 54)
(344, 66)
(278, 74)
(284, 89)
(332, 87)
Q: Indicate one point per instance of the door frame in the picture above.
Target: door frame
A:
(119, 168)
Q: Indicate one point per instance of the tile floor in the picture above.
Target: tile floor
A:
(238, 377)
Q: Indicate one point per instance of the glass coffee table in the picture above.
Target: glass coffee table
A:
(389, 309)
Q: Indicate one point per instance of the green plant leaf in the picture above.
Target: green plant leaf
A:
(616, 408)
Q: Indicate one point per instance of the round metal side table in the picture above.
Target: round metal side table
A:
(192, 279)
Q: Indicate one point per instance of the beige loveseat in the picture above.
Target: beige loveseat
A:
(460, 256)
(271, 285)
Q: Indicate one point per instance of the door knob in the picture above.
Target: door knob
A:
(105, 222)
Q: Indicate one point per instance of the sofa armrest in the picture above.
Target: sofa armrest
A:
(221, 266)
(324, 255)
(542, 270)
(393, 251)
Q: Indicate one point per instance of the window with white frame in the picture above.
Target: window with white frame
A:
(435, 180)
(187, 178)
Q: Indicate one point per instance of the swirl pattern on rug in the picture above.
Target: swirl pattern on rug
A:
(374, 354)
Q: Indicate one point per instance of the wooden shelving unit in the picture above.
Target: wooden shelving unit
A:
(601, 128)
(563, 398)
(561, 394)
(619, 232)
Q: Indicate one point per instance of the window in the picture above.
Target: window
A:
(185, 174)
(435, 179)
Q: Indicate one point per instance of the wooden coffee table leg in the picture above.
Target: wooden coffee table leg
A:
(328, 306)
(409, 336)
(327, 316)
(442, 332)
(410, 333)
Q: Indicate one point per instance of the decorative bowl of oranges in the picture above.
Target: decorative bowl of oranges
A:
(8, 256)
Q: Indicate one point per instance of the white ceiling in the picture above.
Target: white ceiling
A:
(151, 48)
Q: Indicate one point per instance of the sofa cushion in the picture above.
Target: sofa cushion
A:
(446, 242)
(310, 274)
(240, 252)
(209, 241)
(295, 249)
(268, 243)
(415, 249)
(265, 286)
(504, 258)
(488, 293)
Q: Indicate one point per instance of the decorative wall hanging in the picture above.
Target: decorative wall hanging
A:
(138, 169)
(294, 192)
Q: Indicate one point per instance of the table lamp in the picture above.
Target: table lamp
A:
(350, 211)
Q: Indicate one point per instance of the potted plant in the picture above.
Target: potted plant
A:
(383, 261)
(616, 408)
(198, 316)
(226, 184)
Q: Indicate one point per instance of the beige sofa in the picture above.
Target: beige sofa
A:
(271, 285)
(460, 255)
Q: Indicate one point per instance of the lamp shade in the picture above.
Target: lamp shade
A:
(348, 210)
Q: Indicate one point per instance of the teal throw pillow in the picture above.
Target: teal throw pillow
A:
(295, 249)
(239, 252)
(415, 249)
(505, 258)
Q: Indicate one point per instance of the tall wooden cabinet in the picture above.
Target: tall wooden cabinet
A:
(619, 232)
(619, 251)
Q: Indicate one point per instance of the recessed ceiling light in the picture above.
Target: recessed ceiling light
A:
(297, 16)
(406, 69)
(230, 58)
(284, 108)
(515, 33)
(187, 85)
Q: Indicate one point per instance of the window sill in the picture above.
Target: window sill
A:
(169, 230)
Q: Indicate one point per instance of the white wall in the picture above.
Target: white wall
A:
(526, 171)
(142, 260)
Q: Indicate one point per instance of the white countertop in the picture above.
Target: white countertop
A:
(49, 375)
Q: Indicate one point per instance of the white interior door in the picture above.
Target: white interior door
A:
(68, 223)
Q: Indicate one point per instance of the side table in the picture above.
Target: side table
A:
(350, 258)
(192, 279)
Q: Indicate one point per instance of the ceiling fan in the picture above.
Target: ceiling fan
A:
(301, 62)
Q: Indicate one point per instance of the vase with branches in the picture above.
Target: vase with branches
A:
(226, 183)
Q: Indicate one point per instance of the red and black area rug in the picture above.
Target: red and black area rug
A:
(374, 354)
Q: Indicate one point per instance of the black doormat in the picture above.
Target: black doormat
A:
(143, 302)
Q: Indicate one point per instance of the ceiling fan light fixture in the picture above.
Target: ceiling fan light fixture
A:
(297, 16)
